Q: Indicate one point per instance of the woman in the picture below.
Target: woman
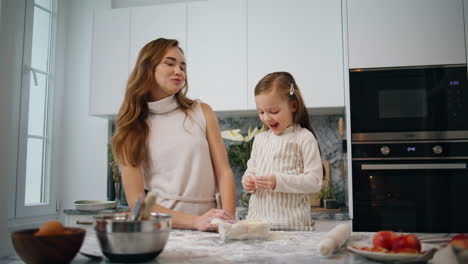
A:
(171, 144)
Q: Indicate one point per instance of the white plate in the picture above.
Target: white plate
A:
(427, 252)
(93, 205)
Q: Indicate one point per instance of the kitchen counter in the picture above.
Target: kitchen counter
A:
(316, 213)
(185, 246)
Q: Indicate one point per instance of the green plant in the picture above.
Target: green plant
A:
(326, 192)
(119, 192)
(240, 147)
(113, 164)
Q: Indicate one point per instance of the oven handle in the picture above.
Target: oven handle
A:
(444, 166)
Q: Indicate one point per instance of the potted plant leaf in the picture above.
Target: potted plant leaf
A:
(119, 193)
(326, 196)
(238, 149)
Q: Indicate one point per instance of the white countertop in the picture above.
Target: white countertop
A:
(186, 246)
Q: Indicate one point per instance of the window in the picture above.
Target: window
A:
(35, 194)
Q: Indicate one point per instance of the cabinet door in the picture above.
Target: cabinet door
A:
(158, 21)
(217, 53)
(405, 33)
(109, 61)
(303, 37)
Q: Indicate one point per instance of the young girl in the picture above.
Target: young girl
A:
(285, 164)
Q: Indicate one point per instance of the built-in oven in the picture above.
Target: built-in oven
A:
(410, 149)
(420, 100)
(410, 186)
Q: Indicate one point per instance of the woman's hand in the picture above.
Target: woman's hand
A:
(265, 182)
(248, 183)
(203, 222)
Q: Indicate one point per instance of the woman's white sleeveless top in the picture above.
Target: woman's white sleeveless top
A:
(181, 170)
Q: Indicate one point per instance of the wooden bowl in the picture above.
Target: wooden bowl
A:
(48, 249)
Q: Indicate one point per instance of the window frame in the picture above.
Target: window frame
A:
(50, 189)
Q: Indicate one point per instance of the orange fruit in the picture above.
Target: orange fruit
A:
(51, 228)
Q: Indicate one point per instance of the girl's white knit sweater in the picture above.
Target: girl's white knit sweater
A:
(294, 158)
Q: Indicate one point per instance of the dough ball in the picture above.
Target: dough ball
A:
(216, 221)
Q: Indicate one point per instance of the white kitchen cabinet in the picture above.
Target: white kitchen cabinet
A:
(302, 37)
(396, 33)
(217, 53)
(109, 61)
(157, 21)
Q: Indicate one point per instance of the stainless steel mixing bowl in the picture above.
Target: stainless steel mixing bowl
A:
(122, 240)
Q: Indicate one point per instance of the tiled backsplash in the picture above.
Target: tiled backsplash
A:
(326, 130)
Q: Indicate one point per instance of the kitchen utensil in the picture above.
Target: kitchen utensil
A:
(341, 127)
(132, 241)
(334, 239)
(48, 249)
(137, 209)
(94, 205)
(149, 203)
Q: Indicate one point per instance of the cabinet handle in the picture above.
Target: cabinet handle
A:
(446, 166)
(78, 222)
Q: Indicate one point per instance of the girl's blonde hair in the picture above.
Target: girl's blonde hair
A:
(129, 144)
(281, 82)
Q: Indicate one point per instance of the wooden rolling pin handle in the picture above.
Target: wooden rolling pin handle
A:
(341, 127)
(78, 222)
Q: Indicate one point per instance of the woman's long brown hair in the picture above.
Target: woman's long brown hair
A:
(129, 144)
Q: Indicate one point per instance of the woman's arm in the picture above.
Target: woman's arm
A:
(132, 180)
(222, 169)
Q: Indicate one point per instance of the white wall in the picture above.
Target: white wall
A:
(10, 80)
(79, 146)
(81, 156)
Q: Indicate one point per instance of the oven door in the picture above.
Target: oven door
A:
(411, 196)
(402, 100)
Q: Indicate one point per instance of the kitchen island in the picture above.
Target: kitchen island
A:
(185, 246)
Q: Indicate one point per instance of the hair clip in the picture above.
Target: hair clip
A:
(291, 90)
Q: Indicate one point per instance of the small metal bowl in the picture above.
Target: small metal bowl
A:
(122, 240)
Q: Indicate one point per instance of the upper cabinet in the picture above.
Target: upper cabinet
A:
(229, 46)
(118, 36)
(109, 61)
(217, 53)
(158, 21)
(303, 37)
(405, 33)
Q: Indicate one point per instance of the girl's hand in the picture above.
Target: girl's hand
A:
(203, 222)
(248, 183)
(265, 182)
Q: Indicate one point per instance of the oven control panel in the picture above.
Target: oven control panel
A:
(436, 149)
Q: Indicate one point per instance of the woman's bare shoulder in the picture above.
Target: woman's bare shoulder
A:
(207, 111)
(205, 107)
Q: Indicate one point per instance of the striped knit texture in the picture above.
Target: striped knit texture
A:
(284, 156)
